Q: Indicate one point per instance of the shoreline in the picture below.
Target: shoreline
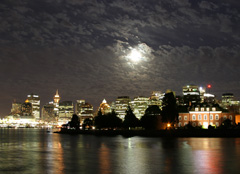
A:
(218, 133)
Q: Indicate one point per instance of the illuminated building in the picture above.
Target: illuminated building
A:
(35, 101)
(84, 110)
(209, 98)
(156, 98)
(56, 100)
(229, 103)
(27, 108)
(139, 106)
(65, 111)
(205, 116)
(191, 95)
(48, 113)
(121, 105)
(202, 92)
(16, 108)
(227, 99)
(104, 107)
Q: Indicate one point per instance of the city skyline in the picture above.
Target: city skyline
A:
(100, 49)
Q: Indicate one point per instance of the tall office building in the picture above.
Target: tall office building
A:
(121, 106)
(156, 98)
(27, 108)
(104, 107)
(34, 99)
(65, 111)
(48, 112)
(16, 108)
(139, 106)
(56, 100)
(191, 95)
(84, 110)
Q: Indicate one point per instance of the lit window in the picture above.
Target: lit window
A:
(207, 109)
(185, 117)
(180, 118)
(202, 109)
(211, 117)
(194, 117)
(205, 117)
(213, 109)
(230, 117)
(217, 124)
(196, 109)
(199, 117)
(180, 124)
(224, 117)
(216, 117)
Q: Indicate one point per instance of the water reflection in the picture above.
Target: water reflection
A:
(35, 151)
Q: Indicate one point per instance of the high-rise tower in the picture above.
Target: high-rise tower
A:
(34, 99)
(56, 98)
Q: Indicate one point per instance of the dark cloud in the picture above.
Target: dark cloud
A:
(81, 48)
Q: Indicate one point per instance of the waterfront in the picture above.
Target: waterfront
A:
(36, 151)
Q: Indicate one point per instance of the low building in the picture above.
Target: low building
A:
(205, 116)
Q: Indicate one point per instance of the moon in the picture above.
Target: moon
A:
(135, 56)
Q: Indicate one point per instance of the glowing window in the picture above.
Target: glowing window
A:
(205, 117)
(194, 117)
(211, 117)
(199, 117)
(185, 117)
(216, 117)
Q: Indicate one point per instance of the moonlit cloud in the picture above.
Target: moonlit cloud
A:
(81, 48)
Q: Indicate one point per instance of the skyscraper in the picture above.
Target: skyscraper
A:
(56, 100)
(34, 99)
(191, 95)
(122, 103)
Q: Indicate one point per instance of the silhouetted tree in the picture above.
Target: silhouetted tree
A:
(75, 122)
(109, 121)
(169, 110)
(149, 120)
(99, 120)
(87, 122)
(226, 124)
(113, 121)
(130, 119)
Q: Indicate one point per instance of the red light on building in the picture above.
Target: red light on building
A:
(209, 86)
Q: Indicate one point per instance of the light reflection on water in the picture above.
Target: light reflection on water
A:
(36, 151)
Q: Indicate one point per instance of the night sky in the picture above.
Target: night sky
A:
(83, 48)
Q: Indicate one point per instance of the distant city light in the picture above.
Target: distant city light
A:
(209, 86)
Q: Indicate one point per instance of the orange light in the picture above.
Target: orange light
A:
(168, 125)
(209, 86)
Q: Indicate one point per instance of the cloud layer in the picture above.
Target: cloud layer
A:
(81, 48)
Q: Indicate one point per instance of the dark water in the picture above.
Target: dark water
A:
(36, 151)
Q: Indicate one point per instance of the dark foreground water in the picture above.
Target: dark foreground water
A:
(36, 151)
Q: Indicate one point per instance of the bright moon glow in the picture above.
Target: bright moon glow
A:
(135, 56)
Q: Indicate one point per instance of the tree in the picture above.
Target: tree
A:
(113, 121)
(75, 122)
(169, 111)
(99, 120)
(87, 123)
(109, 121)
(150, 118)
(130, 119)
